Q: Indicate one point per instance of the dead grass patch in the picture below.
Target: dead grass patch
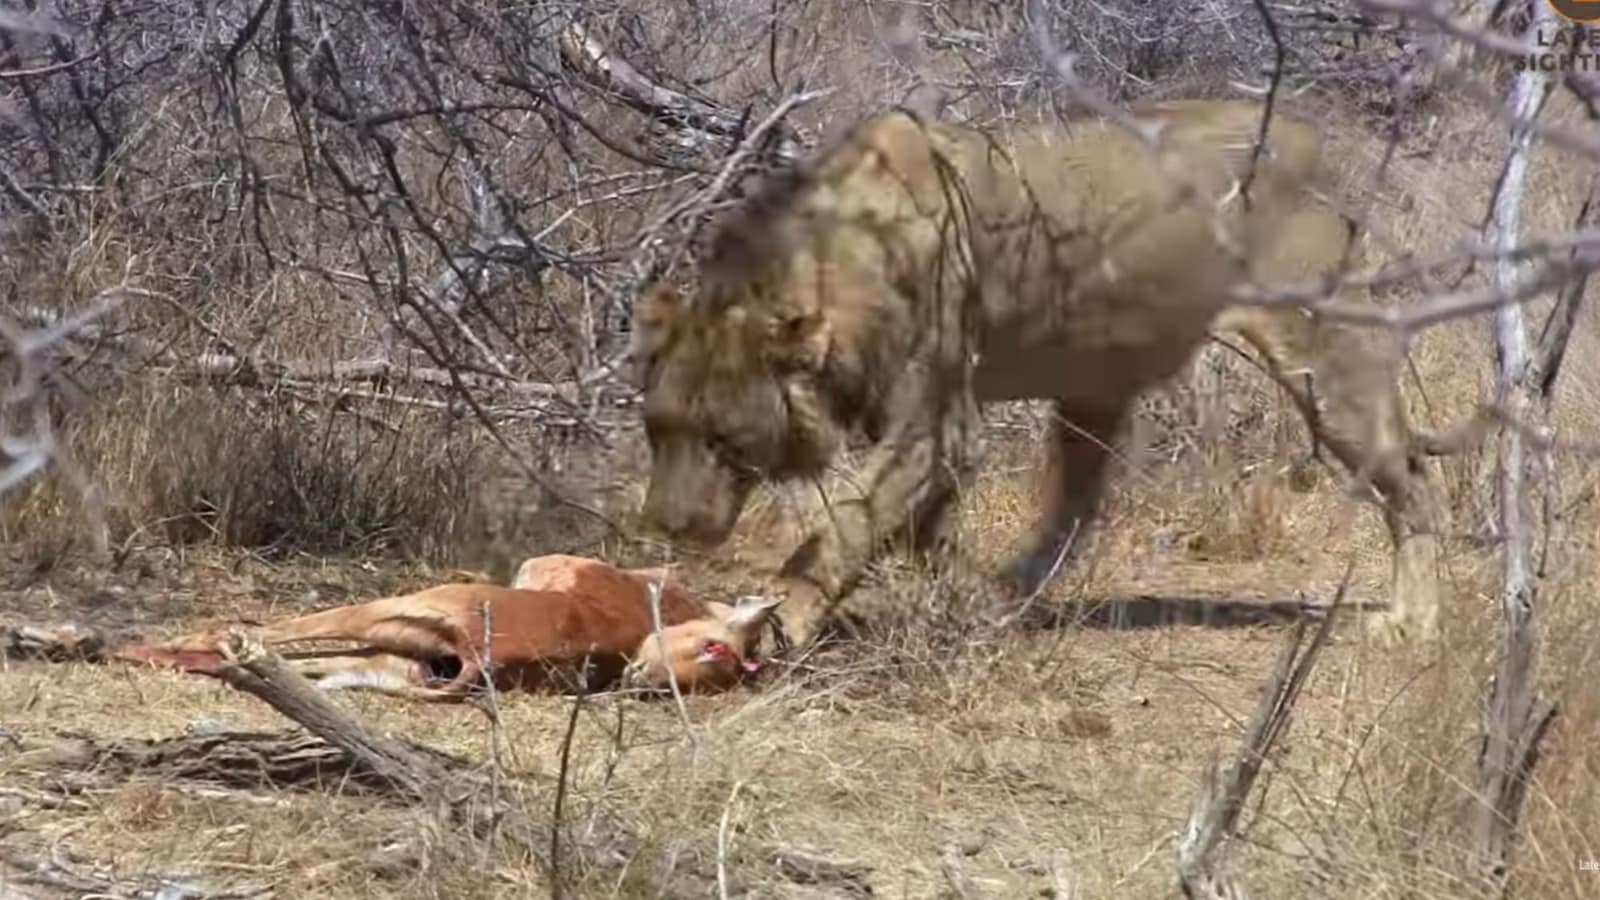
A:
(204, 465)
(1028, 758)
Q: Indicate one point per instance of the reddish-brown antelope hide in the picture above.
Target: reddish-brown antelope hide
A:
(705, 654)
(431, 644)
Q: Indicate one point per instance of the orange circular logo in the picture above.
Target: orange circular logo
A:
(1586, 12)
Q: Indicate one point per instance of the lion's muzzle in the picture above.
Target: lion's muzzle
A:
(693, 496)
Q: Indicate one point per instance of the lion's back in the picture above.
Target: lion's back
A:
(1082, 239)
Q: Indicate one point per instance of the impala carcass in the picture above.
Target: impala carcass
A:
(573, 624)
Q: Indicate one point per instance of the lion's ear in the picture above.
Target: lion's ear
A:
(657, 308)
(800, 340)
(654, 314)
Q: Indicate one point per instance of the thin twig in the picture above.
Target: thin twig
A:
(557, 888)
(661, 645)
(492, 706)
(1269, 104)
(722, 841)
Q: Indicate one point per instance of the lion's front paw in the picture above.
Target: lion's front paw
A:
(803, 612)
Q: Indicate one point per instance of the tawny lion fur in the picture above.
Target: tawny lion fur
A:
(917, 270)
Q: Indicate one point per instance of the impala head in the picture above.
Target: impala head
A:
(708, 654)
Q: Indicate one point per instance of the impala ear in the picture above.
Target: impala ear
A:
(748, 615)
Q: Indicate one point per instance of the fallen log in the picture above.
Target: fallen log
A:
(460, 796)
(246, 760)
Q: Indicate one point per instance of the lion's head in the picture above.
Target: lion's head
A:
(792, 337)
(731, 398)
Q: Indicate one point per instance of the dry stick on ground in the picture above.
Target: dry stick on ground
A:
(1202, 845)
(955, 874)
(722, 841)
(1515, 720)
(802, 866)
(238, 760)
(693, 764)
(491, 707)
(250, 667)
(666, 660)
(80, 878)
(55, 643)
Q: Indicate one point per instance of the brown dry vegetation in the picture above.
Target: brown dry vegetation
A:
(945, 756)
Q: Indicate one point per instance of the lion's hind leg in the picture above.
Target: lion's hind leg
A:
(1345, 382)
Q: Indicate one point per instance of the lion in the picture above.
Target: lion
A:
(917, 270)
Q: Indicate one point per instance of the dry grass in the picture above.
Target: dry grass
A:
(225, 467)
(1034, 759)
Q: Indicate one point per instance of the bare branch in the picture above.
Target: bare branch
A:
(36, 71)
(250, 667)
(1064, 65)
(27, 440)
(1524, 288)
(1551, 350)
(1515, 719)
(696, 207)
(592, 59)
